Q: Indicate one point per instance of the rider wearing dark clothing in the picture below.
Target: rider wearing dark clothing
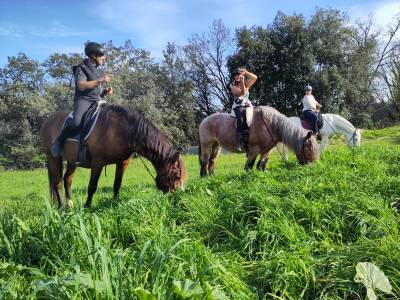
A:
(243, 81)
(312, 116)
(88, 90)
(86, 71)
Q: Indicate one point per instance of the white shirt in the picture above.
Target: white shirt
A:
(242, 100)
(309, 102)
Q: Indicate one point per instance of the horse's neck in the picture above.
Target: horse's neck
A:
(340, 125)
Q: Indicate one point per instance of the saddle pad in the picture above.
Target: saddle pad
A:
(249, 115)
(89, 121)
(306, 124)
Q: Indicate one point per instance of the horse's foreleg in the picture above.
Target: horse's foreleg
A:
(251, 159)
(324, 142)
(119, 173)
(263, 161)
(215, 151)
(68, 182)
(94, 178)
(54, 169)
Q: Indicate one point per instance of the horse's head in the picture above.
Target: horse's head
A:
(172, 175)
(310, 149)
(355, 138)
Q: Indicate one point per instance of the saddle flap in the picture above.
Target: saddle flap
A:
(88, 122)
(306, 123)
(249, 115)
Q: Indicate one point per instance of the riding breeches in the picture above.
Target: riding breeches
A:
(312, 116)
(240, 115)
(80, 107)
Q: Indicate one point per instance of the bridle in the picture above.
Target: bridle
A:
(352, 137)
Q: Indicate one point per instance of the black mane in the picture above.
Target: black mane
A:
(144, 137)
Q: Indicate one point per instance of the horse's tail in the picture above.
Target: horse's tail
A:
(49, 179)
(54, 171)
(199, 151)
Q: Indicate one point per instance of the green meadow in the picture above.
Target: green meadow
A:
(293, 232)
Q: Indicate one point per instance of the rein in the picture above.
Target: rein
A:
(272, 137)
(147, 168)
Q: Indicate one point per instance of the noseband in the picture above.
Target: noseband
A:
(352, 137)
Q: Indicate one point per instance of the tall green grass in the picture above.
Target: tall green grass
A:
(290, 233)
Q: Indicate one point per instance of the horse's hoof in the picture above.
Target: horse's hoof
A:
(87, 205)
(70, 204)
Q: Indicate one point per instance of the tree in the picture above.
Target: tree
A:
(280, 56)
(207, 56)
(22, 109)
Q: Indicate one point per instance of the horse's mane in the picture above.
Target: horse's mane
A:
(289, 133)
(144, 136)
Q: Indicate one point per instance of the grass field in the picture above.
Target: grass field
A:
(293, 232)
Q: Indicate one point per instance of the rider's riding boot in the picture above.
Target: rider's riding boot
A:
(66, 132)
(238, 141)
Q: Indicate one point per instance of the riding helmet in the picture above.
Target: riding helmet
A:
(94, 49)
(237, 71)
(308, 88)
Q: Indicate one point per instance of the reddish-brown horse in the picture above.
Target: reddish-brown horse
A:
(268, 128)
(117, 134)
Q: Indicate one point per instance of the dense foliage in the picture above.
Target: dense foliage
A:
(354, 71)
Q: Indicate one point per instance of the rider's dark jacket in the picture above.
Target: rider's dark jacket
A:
(87, 71)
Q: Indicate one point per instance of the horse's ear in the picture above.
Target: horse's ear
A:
(309, 134)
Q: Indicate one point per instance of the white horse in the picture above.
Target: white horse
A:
(333, 124)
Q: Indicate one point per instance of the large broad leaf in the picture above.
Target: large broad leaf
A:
(215, 292)
(82, 279)
(373, 278)
(187, 288)
(144, 294)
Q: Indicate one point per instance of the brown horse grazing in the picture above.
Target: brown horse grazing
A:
(117, 134)
(268, 128)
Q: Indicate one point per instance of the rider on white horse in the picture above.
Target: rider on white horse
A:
(311, 108)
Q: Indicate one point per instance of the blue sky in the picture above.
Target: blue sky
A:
(39, 27)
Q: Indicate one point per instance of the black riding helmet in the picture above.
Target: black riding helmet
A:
(237, 71)
(94, 49)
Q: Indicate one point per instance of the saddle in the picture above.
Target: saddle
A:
(89, 120)
(306, 124)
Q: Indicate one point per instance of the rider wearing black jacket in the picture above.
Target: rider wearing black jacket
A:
(89, 81)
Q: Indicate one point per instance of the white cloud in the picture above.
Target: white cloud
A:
(53, 30)
(383, 12)
(10, 30)
(153, 23)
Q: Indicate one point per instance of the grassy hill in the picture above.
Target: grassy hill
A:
(290, 233)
